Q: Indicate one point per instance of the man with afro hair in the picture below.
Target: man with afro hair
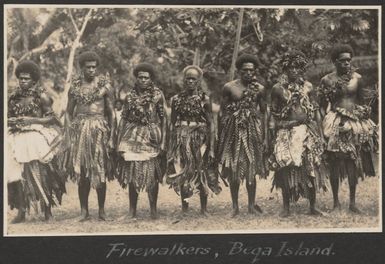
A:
(242, 132)
(90, 126)
(297, 162)
(351, 136)
(141, 139)
(33, 136)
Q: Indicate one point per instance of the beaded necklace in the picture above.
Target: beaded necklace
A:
(333, 92)
(296, 95)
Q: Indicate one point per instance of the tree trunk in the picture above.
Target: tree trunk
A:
(236, 44)
(197, 55)
(70, 65)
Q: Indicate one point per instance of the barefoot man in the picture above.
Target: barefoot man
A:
(192, 141)
(33, 139)
(297, 156)
(89, 133)
(351, 135)
(242, 141)
(141, 139)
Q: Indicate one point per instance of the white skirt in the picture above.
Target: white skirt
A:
(33, 142)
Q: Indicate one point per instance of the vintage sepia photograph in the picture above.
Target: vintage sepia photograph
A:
(138, 119)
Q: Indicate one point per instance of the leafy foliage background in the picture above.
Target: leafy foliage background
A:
(171, 39)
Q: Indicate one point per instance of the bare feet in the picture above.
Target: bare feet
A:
(285, 213)
(235, 212)
(84, 215)
(102, 215)
(252, 210)
(154, 215)
(256, 206)
(315, 212)
(20, 218)
(132, 212)
(184, 207)
(84, 218)
(204, 212)
(47, 214)
(354, 209)
(336, 206)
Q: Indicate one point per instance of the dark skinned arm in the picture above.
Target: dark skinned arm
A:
(48, 118)
(316, 103)
(109, 107)
(322, 100)
(163, 122)
(263, 107)
(121, 125)
(276, 94)
(210, 125)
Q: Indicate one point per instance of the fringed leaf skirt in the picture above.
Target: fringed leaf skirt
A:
(351, 142)
(140, 161)
(88, 155)
(189, 156)
(240, 148)
(32, 159)
(298, 161)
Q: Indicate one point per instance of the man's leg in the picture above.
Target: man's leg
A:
(19, 196)
(133, 197)
(352, 205)
(312, 199)
(203, 199)
(101, 192)
(251, 187)
(353, 181)
(183, 196)
(47, 212)
(153, 198)
(84, 191)
(234, 188)
(286, 202)
(335, 181)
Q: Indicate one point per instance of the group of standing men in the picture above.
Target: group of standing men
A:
(292, 129)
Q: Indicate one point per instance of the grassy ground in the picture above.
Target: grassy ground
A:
(171, 220)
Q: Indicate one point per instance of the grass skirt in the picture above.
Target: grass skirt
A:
(32, 160)
(351, 141)
(190, 161)
(298, 161)
(240, 147)
(88, 155)
(139, 161)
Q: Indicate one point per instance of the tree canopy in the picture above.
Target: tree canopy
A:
(172, 38)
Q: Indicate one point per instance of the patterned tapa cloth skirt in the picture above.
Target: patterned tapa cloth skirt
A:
(240, 148)
(189, 160)
(32, 159)
(140, 161)
(351, 141)
(88, 154)
(298, 161)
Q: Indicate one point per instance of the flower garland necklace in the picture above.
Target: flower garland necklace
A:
(296, 95)
(333, 92)
(89, 96)
(15, 108)
(248, 100)
(189, 107)
(137, 103)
